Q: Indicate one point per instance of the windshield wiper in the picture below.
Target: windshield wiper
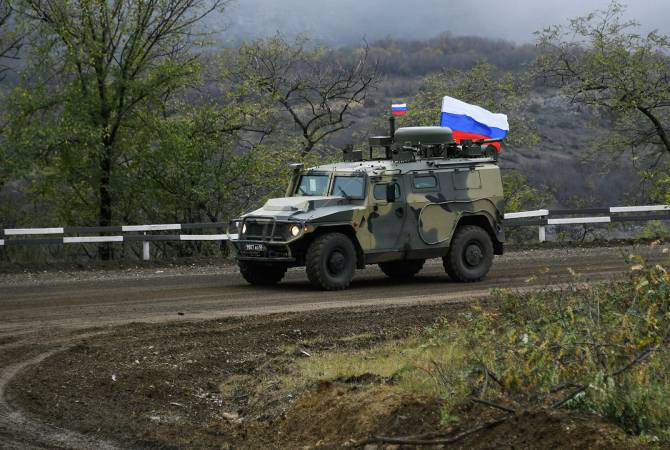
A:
(344, 193)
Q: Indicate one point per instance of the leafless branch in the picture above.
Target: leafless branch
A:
(600, 62)
(438, 441)
(10, 39)
(314, 88)
(572, 395)
(481, 401)
(579, 388)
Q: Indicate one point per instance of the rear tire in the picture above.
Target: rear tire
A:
(470, 254)
(402, 269)
(262, 274)
(331, 261)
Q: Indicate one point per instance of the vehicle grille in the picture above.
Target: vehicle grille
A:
(262, 230)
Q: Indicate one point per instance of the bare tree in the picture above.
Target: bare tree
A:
(601, 61)
(312, 85)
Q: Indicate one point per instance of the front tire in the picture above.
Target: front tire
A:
(402, 269)
(331, 261)
(470, 254)
(261, 274)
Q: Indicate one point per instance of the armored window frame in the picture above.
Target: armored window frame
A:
(433, 187)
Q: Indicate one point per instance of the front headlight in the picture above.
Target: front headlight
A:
(234, 227)
(244, 229)
(295, 230)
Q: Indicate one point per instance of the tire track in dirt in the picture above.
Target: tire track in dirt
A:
(18, 431)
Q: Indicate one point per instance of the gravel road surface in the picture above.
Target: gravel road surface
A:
(88, 299)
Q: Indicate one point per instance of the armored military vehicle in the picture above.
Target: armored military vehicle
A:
(417, 195)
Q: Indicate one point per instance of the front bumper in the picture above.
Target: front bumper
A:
(264, 239)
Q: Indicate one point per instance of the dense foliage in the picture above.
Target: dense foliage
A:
(118, 117)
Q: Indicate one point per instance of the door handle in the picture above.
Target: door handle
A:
(399, 212)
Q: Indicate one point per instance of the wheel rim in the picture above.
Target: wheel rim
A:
(337, 262)
(473, 254)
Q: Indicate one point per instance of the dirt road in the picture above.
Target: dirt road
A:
(94, 299)
(49, 322)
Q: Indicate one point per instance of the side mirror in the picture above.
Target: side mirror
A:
(296, 167)
(390, 192)
(295, 174)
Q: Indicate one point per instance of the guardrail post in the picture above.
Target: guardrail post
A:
(146, 251)
(542, 233)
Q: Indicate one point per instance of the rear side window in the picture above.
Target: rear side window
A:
(425, 182)
(379, 191)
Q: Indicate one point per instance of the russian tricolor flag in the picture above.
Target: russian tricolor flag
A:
(472, 122)
(398, 109)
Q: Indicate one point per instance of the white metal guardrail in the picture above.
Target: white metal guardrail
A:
(144, 237)
(544, 217)
(540, 218)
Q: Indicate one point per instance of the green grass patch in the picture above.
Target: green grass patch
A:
(409, 364)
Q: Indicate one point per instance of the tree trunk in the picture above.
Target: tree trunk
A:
(105, 206)
(660, 131)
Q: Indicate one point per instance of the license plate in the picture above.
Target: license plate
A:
(254, 247)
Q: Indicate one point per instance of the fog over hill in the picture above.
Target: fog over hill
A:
(347, 21)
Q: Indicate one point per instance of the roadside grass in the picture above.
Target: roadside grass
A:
(594, 348)
(361, 337)
(318, 341)
(407, 364)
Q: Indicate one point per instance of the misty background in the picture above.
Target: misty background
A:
(349, 21)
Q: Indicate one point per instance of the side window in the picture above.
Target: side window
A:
(379, 191)
(425, 182)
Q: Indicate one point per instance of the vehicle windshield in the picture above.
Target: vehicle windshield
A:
(312, 185)
(349, 187)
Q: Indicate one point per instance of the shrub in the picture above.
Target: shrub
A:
(599, 348)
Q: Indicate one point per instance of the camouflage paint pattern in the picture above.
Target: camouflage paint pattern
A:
(422, 218)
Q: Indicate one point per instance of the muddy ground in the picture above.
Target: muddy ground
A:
(214, 384)
(192, 357)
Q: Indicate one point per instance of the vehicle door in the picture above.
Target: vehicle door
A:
(433, 216)
(388, 214)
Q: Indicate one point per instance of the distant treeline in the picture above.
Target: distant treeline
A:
(421, 57)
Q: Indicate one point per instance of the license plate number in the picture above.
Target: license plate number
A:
(254, 247)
